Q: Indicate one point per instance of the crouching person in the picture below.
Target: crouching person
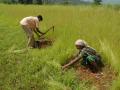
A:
(88, 57)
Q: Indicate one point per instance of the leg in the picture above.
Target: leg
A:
(31, 41)
(30, 36)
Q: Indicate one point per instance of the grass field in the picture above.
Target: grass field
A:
(40, 69)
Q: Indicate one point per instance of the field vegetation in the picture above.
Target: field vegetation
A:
(40, 69)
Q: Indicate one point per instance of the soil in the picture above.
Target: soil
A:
(43, 43)
(101, 80)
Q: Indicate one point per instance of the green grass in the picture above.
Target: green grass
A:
(40, 69)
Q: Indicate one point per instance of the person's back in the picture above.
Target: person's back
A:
(88, 50)
(30, 22)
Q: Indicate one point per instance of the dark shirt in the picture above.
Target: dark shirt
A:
(87, 53)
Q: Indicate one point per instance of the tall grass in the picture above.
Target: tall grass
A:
(41, 69)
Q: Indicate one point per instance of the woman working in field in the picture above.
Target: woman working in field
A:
(89, 56)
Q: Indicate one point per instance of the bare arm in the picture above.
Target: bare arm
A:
(72, 62)
(36, 33)
(37, 30)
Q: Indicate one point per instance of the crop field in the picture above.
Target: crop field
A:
(40, 69)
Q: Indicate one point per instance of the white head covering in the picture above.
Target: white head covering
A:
(80, 42)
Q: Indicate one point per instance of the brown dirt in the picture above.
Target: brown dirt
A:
(102, 80)
(43, 43)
